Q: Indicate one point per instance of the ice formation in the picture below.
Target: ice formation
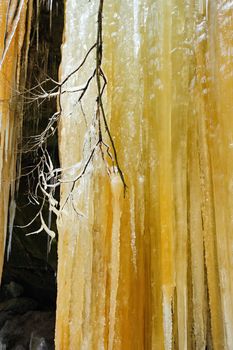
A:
(169, 106)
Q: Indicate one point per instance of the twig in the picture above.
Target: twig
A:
(99, 74)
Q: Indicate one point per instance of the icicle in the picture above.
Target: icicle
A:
(9, 36)
(11, 223)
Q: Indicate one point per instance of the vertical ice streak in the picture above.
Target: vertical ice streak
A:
(136, 27)
(116, 186)
(181, 60)
(165, 172)
(221, 154)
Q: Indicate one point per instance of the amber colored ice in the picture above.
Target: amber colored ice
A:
(153, 269)
(12, 31)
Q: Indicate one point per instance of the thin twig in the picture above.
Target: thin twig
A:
(99, 74)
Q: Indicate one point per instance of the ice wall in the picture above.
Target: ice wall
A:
(13, 16)
(153, 269)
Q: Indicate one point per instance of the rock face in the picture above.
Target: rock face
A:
(33, 330)
(22, 324)
(18, 305)
(13, 289)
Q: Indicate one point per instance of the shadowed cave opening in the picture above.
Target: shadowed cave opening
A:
(28, 290)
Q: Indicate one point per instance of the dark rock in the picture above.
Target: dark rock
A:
(18, 305)
(37, 343)
(37, 278)
(33, 330)
(4, 316)
(2, 346)
(13, 290)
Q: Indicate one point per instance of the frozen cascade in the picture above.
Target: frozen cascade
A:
(151, 268)
(168, 103)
